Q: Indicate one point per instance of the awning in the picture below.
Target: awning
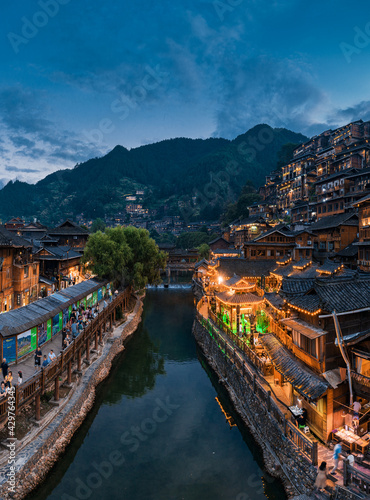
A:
(304, 380)
(334, 377)
(354, 338)
(303, 328)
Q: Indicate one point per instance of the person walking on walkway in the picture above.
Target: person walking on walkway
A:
(320, 481)
(4, 368)
(20, 378)
(38, 355)
(336, 457)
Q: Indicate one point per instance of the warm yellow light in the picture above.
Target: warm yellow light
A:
(220, 279)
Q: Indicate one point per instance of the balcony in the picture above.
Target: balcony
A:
(23, 260)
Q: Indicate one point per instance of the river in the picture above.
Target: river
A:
(157, 431)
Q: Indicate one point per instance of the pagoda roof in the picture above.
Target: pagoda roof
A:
(239, 298)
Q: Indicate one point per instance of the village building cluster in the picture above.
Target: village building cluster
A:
(36, 260)
(291, 284)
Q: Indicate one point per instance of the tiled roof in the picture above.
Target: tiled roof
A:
(348, 292)
(281, 228)
(343, 294)
(10, 239)
(22, 319)
(348, 219)
(309, 302)
(58, 253)
(201, 263)
(350, 251)
(239, 298)
(275, 300)
(362, 200)
(329, 266)
(68, 227)
(296, 286)
(302, 378)
(228, 266)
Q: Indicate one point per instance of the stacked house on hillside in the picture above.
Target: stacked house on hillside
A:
(325, 176)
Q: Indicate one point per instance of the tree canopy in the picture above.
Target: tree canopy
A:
(204, 250)
(98, 225)
(127, 255)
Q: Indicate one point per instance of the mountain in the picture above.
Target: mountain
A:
(188, 176)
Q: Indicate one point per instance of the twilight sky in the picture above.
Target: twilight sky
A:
(80, 76)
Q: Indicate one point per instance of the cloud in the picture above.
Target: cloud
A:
(23, 116)
(10, 168)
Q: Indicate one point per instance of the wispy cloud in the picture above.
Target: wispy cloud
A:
(10, 168)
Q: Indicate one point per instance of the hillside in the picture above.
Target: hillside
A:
(171, 172)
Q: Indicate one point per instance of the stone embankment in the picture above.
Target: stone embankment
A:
(40, 451)
(281, 459)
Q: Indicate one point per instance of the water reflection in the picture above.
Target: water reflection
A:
(157, 422)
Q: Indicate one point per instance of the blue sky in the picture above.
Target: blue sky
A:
(80, 76)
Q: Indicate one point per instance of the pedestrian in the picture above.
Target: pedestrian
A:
(38, 355)
(356, 409)
(74, 329)
(351, 460)
(3, 390)
(66, 341)
(4, 367)
(51, 355)
(336, 456)
(45, 362)
(320, 481)
(20, 378)
(9, 379)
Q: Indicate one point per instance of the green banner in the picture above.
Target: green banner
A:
(61, 320)
(33, 338)
(95, 298)
(49, 329)
(69, 312)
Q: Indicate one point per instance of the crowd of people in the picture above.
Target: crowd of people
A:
(79, 319)
(8, 381)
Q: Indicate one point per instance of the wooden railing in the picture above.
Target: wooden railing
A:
(305, 446)
(36, 385)
(356, 477)
(262, 367)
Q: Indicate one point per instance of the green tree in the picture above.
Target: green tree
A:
(98, 225)
(204, 251)
(127, 255)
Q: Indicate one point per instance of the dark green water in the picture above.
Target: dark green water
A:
(157, 431)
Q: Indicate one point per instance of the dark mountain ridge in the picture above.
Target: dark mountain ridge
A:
(168, 171)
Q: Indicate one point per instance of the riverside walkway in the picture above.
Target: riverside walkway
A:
(27, 366)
